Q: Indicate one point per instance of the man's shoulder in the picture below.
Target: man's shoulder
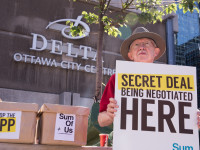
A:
(112, 77)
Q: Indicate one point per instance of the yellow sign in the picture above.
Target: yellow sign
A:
(7, 124)
(156, 82)
(10, 122)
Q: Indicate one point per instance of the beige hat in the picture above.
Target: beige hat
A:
(141, 32)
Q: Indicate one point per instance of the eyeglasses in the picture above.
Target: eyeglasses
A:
(146, 44)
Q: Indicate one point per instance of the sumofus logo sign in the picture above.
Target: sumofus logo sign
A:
(176, 146)
(65, 50)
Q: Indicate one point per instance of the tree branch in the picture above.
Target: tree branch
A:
(108, 4)
(128, 5)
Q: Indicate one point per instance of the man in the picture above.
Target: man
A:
(141, 46)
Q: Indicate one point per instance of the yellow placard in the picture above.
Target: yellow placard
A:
(7, 124)
(156, 82)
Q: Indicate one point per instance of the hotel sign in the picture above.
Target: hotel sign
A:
(65, 30)
(66, 50)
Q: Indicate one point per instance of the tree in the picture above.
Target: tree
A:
(148, 11)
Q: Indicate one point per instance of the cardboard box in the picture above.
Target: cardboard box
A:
(18, 122)
(63, 125)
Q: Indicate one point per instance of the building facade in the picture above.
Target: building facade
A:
(41, 63)
(187, 42)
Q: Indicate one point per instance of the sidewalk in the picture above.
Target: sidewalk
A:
(11, 146)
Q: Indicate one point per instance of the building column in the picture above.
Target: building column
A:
(65, 98)
(170, 42)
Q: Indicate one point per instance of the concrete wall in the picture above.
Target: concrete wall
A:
(65, 98)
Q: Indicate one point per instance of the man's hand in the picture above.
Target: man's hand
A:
(105, 118)
(111, 108)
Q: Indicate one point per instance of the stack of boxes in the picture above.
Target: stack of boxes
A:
(52, 124)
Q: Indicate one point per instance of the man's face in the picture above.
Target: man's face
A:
(143, 50)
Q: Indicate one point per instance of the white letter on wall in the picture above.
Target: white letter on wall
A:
(34, 44)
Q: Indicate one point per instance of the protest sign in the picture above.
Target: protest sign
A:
(65, 127)
(157, 107)
(10, 122)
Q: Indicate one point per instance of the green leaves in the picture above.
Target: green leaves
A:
(109, 28)
(106, 20)
(145, 18)
(90, 17)
(112, 31)
(151, 11)
(124, 5)
(188, 5)
(77, 31)
(171, 8)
